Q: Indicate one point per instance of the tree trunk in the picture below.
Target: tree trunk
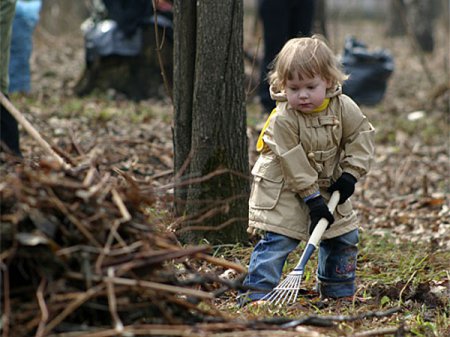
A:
(210, 120)
(422, 21)
(185, 18)
(395, 25)
(415, 17)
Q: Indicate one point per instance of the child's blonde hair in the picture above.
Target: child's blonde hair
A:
(306, 57)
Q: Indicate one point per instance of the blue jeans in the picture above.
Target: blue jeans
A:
(336, 265)
(25, 20)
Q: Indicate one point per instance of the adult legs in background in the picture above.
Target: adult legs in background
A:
(24, 23)
(282, 20)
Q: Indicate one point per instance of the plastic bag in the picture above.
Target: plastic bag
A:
(369, 72)
(106, 38)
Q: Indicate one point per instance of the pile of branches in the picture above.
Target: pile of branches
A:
(80, 251)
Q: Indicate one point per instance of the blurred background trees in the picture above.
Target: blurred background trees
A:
(205, 69)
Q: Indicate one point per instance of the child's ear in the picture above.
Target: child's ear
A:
(329, 84)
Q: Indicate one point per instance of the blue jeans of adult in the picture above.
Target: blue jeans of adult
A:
(25, 21)
(336, 270)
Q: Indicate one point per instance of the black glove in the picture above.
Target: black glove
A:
(318, 209)
(345, 185)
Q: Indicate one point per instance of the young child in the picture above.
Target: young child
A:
(314, 142)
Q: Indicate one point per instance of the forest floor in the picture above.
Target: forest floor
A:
(403, 204)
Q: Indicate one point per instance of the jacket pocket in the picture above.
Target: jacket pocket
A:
(267, 183)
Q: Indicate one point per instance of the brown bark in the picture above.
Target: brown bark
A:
(218, 138)
(183, 75)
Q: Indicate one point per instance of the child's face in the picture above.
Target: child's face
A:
(306, 94)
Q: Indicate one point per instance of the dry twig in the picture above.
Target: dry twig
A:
(19, 117)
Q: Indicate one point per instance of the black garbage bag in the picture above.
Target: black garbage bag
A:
(369, 72)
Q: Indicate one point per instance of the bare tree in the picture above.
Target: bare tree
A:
(210, 141)
(416, 18)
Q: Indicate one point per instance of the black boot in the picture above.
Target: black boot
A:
(9, 132)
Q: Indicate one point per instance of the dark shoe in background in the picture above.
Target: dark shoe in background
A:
(9, 133)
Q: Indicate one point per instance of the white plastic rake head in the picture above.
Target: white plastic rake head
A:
(287, 291)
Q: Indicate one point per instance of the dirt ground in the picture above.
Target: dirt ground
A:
(403, 203)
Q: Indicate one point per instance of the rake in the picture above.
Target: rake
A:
(288, 289)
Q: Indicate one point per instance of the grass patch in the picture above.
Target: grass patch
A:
(95, 108)
(394, 128)
(390, 274)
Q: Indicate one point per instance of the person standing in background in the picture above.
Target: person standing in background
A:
(9, 130)
(25, 21)
(281, 20)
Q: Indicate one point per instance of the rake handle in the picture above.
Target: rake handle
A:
(316, 235)
(322, 225)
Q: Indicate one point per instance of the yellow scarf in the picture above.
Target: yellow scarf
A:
(323, 106)
(260, 143)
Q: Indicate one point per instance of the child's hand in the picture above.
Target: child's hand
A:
(318, 209)
(345, 185)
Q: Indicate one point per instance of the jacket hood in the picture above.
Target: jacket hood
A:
(280, 95)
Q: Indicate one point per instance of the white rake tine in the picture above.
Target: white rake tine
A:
(275, 296)
(275, 291)
(297, 289)
(280, 295)
(286, 288)
(285, 284)
(291, 284)
(291, 289)
(272, 296)
(279, 291)
(293, 294)
(279, 298)
(293, 280)
(268, 297)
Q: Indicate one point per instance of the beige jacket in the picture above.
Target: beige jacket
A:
(305, 152)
